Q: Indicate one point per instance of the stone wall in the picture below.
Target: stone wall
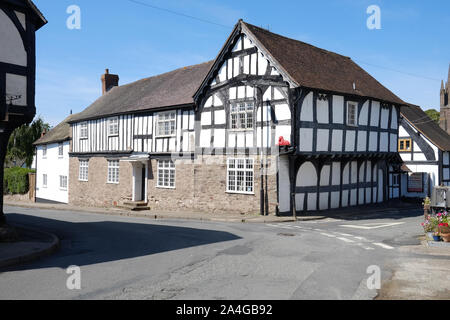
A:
(97, 192)
(200, 185)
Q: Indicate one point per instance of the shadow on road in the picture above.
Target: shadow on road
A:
(87, 243)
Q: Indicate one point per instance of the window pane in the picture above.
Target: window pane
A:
(231, 181)
(250, 120)
(233, 121)
(242, 121)
(249, 181)
(240, 184)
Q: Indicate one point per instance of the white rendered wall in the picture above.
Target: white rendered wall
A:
(53, 165)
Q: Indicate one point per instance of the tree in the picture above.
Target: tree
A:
(433, 114)
(20, 144)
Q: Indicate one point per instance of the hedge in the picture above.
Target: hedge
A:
(15, 180)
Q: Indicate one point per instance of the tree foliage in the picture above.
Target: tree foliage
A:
(16, 180)
(20, 145)
(433, 114)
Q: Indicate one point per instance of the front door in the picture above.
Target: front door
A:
(139, 181)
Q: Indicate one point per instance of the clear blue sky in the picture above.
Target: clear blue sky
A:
(136, 41)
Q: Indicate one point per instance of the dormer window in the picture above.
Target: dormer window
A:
(352, 113)
(241, 114)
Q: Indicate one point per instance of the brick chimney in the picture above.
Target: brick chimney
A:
(109, 81)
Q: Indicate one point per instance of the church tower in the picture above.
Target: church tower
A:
(445, 106)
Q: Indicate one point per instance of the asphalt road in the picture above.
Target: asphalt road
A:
(141, 258)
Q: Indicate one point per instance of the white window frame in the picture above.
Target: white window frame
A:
(354, 105)
(44, 180)
(44, 151)
(84, 130)
(83, 172)
(113, 171)
(113, 127)
(60, 150)
(161, 118)
(63, 182)
(242, 110)
(233, 168)
(166, 174)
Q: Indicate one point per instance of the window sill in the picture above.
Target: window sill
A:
(113, 183)
(167, 136)
(241, 192)
(162, 187)
(241, 130)
(83, 180)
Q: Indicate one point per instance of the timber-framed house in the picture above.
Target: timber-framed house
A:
(271, 125)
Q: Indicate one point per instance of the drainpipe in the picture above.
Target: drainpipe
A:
(261, 153)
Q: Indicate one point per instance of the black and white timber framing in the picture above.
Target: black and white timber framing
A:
(334, 164)
(19, 20)
(331, 163)
(425, 155)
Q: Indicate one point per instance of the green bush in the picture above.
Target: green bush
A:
(15, 180)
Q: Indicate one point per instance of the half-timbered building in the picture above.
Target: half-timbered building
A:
(425, 148)
(272, 125)
(342, 124)
(19, 20)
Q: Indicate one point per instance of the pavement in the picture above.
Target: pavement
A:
(224, 217)
(32, 244)
(124, 257)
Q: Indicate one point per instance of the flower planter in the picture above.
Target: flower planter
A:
(436, 238)
(430, 236)
(445, 237)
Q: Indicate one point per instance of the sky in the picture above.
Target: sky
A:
(410, 54)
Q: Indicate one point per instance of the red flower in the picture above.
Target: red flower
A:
(443, 224)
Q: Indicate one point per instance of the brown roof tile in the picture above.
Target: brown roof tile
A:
(428, 127)
(317, 68)
(173, 88)
(59, 133)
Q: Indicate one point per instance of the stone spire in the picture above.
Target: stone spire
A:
(445, 105)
